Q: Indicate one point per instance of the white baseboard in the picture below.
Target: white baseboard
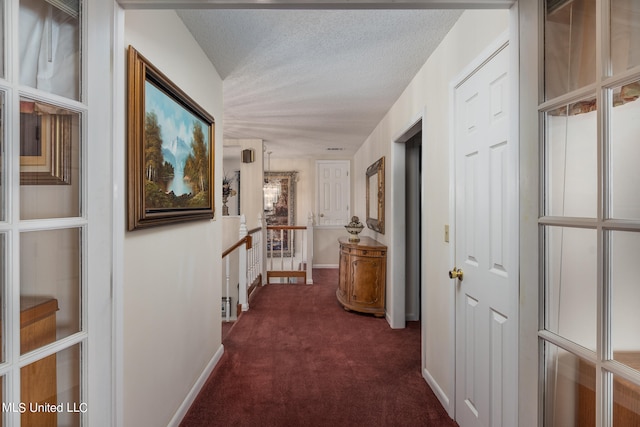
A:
(440, 394)
(325, 265)
(195, 390)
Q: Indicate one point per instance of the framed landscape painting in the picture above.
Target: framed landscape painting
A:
(170, 150)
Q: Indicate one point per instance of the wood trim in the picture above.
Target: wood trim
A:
(286, 227)
(286, 273)
(247, 240)
(254, 230)
(33, 309)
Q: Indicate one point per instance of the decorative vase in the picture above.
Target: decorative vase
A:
(225, 208)
(354, 228)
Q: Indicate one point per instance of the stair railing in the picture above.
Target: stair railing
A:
(249, 268)
(290, 252)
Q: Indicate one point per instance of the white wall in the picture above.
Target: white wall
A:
(325, 240)
(172, 286)
(428, 93)
(305, 186)
(251, 175)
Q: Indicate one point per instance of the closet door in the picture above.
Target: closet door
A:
(333, 190)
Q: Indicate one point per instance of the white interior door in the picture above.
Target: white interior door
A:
(333, 192)
(486, 321)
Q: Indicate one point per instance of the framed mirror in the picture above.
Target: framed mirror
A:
(375, 196)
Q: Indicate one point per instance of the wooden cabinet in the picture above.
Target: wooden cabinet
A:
(38, 379)
(363, 271)
(626, 395)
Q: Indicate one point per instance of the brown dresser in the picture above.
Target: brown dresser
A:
(363, 271)
(626, 395)
(38, 380)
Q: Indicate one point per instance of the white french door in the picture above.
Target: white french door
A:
(485, 275)
(55, 213)
(590, 219)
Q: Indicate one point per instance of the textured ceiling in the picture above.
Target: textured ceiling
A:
(306, 81)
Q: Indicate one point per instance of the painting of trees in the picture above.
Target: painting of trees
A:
(152, 146)
(170, 150)
(197, 164)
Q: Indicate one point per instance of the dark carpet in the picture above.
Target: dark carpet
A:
(296, 358)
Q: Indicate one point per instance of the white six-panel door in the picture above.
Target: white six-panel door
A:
(486, 325)
(333, 192)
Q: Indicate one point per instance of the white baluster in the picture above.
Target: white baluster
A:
(309, 251)
(227, 306)
(262, 256)
(292, 247)
(281, 249)
(242, 267)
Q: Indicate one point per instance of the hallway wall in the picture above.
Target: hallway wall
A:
(172, 285)
(428, 96)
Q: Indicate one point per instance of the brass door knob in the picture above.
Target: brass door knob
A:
(456, 273)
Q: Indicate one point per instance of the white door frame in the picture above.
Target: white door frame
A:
(508, 37)
(396, 305)
(528, 91)
(93, 338)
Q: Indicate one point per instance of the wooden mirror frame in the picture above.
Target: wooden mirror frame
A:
(375, 196)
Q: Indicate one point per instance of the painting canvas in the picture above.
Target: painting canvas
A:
(170, 150)
(176, 154)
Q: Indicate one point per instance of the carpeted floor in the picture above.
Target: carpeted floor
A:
(296, 358)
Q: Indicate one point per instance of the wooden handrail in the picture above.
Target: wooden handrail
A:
(254, 230)
(286, 227)
(245, 240)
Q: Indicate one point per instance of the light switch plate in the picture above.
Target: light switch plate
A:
(446, 233)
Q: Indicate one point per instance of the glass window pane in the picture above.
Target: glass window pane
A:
(50, 277)
(625, 34)
(49, 36)
(624, 150)
(571, 160)
(2, 38)
(52, 381)
(3, 274)
(4, 401)
(569, 391)
(49, 161)
(625, 290)
(626, 401)
(3, 178)
(570, 284)
(570, 46)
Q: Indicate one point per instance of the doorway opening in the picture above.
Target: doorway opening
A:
(413, 215)
(407, 194)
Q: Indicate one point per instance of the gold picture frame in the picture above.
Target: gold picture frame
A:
(375, 196)
(46, 134)
(170, 175)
